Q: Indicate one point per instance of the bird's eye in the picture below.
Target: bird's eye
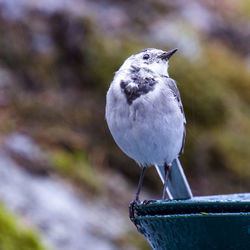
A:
(146, 56)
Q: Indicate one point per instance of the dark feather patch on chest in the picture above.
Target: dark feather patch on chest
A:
(140, 86)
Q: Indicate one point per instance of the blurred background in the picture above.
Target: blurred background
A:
(64, 184)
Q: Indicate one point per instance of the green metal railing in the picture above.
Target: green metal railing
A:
(210, 222)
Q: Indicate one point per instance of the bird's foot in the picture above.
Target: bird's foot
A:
(132, 209)
(147, 202)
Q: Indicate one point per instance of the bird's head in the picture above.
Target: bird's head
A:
(155, 60)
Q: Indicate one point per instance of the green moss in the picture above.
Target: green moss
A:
(203, 84)
(134, 239)
(215, 94)
(13, 236)
(75, 165)
(234, 148)
(200, 91)
(245, 8)
(104, 59)
(233, 142)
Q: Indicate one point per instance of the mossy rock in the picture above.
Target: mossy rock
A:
(13, 236)
(76, 166)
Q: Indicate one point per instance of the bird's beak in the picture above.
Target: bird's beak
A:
(168, 54)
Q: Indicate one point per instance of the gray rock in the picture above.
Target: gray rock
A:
(65, 221)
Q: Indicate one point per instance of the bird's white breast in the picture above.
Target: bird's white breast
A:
(150, 130)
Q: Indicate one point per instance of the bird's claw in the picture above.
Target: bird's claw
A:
(147, 202)
(136, 203)
(132, 209)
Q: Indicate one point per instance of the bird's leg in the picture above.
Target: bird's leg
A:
(136, 200)
(140, 185)
(166, 167)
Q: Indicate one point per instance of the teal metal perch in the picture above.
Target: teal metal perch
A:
(208, 222)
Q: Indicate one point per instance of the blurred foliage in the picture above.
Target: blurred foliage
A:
(76, 166)
(13, 236)
(215, 93)
(61, 66)
(135, 240)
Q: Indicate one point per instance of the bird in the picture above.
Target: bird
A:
(145, 116)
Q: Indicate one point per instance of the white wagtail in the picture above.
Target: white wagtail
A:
(145, 116)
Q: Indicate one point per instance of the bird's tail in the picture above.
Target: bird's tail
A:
(178, 187)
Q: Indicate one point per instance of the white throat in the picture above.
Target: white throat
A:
(159, 68)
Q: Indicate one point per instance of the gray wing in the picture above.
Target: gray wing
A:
(172, 85)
